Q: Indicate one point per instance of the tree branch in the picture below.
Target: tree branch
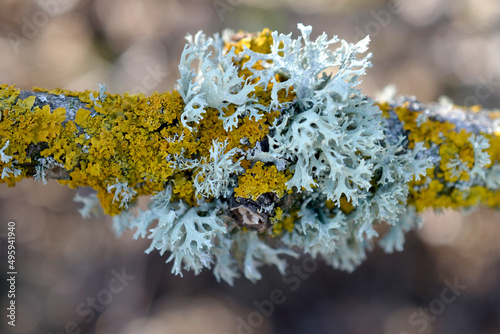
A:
(260, 139)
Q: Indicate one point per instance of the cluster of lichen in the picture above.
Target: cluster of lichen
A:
(264, 146)
(440, 188)
(261, 179)
(130, 138)
(22, 128)
(133, 140)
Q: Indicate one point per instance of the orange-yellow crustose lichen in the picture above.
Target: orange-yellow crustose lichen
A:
(260, 43)
(125, 141)
(22, 125)
(128, 139)
(428, 132)
(494, 149)
(345, 205)
(261, 179)
(454, 146)
(284, 222)
(183, 188)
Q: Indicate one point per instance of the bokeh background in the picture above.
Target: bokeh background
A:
(428, 48)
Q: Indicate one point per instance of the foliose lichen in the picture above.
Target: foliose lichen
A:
(267, 150)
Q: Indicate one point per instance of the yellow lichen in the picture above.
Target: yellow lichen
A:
(261, 179)
(284, 221)
(345, 205)
(133, 139)
(437, 189)
(183, 188)
(129, 139)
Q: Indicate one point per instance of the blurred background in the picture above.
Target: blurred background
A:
(75, 276)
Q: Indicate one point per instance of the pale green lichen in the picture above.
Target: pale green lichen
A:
(257, 153)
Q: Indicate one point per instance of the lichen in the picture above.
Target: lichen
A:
(268, 147)
(262, 179)
(463, 159)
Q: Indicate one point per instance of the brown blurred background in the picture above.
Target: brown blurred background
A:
(67, 267)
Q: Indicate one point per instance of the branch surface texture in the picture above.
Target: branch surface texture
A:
(266, 149)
